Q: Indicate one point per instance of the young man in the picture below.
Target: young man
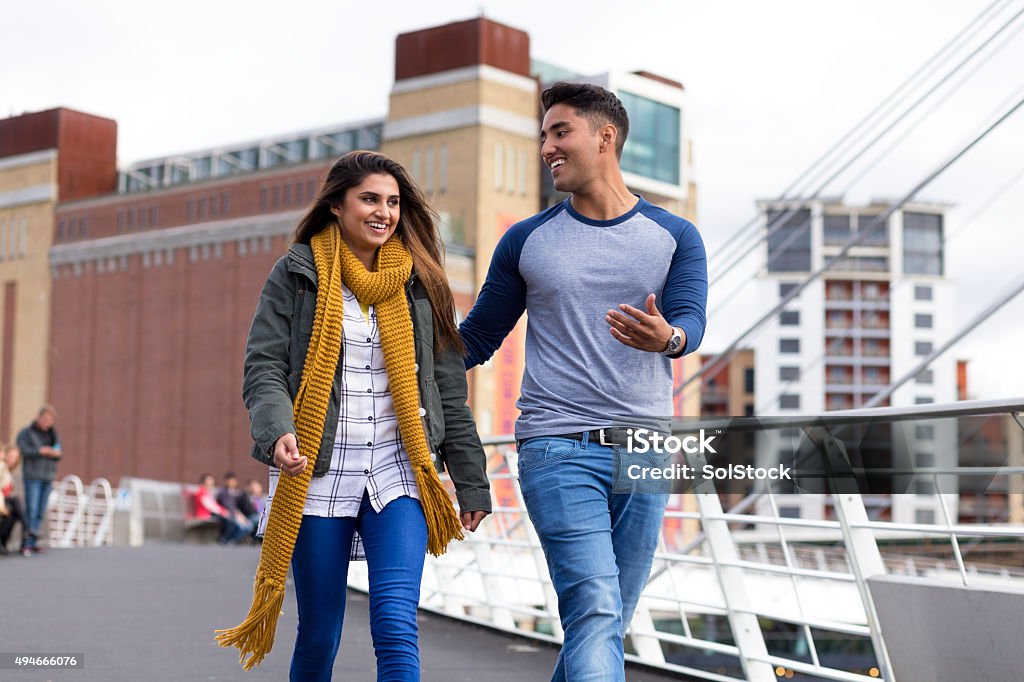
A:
(40, 452)
(615, 287)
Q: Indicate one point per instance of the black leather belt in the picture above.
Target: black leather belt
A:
(618, 435)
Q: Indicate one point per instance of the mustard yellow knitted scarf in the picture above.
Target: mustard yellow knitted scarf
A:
(385, 289)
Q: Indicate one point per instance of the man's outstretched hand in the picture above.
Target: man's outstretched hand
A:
(647, 331)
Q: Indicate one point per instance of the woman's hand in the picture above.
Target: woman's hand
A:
(287, 457)
(472, 519)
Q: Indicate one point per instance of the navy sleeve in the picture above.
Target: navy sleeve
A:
(500, 304)
(685, 297)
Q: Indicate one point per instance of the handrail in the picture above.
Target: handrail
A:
(499, 576)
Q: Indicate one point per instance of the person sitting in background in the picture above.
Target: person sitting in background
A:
(208, 508)
(252, 502)
(10, 506)
(229, 496)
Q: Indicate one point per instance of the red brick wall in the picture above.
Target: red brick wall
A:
(464, 43)
(86, 146)
(147, 366)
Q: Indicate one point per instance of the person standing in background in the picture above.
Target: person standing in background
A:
(40, 452)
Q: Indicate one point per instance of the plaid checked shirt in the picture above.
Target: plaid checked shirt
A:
(369, 456)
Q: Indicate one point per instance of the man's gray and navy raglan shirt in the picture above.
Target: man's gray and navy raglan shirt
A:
(568, 271)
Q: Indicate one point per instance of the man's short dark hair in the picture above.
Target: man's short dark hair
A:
(594, 103)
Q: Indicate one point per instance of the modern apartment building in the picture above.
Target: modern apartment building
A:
(868, 321)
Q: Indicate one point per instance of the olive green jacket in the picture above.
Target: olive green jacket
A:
(276, 351)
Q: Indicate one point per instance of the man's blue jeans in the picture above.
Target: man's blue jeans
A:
(599, 548)
(36, 495)
(395, 542)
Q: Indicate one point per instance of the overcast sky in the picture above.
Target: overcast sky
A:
(770, 85)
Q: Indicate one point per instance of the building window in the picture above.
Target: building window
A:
(924, 432)
(264, 198)
(789, 345)
(877, 232)
(924, 486)
(789, 241)
(785, 288)
(298, 193)
(201, 208)
(924, 459)
(923, 321)
(442, 171)
(789, 318)
(923, 400)
(62, 229)
(922, 347)
(311, 188)
(789, 401)
(837, 230)
(510, 175)
(789, 373)
(748, 411)
(922, 292)
(275, 196)
(924, 516)
(120, 220)
(748, 379)
(152, 216)
(499, 166)
(190, 209)
(287, 195)
(922, 244)
(925, 377)
(428, 171)
(522, 172)
(654, 146)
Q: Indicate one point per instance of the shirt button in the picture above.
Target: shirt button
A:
(368, 339)
(369, 390)
(367, 367)
(370, 418)
(366, 471)
(369, 444)
(416, 368)
(422, 412)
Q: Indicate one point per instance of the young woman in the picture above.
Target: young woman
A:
(356, 390)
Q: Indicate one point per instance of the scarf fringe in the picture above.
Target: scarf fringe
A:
(255, 636)
(443, 524)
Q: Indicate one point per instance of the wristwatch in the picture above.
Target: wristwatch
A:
(675, 342)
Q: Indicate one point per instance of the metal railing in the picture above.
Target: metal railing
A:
(757, 592)
(79, 516)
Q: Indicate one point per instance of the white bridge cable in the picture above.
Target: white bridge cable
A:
(783, 219)
(929, 66)
(722, 358)
(912, 128)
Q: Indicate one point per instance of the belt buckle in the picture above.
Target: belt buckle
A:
(601, 440)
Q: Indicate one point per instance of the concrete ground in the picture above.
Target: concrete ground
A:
(148, 614)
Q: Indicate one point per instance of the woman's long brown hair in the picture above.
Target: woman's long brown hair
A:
(417, 228)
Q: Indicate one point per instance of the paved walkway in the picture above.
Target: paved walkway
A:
(148, 614)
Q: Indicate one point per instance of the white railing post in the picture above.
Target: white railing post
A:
(753, 652)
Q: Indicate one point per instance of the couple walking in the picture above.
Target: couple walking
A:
(355, 381)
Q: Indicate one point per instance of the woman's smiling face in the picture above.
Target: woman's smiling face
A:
(369, 215)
